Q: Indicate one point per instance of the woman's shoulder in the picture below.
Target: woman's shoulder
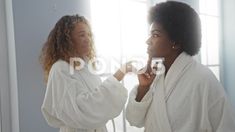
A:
(200, 75)
(204, 77)
(60, 65)
(200, 71)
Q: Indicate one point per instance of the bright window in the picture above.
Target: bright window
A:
(120, 28)
(210, 19)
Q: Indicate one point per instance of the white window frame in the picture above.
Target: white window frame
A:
(9, 115)
(219, 65)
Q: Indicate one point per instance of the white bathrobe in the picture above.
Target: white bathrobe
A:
(80, 102)
(188, 99)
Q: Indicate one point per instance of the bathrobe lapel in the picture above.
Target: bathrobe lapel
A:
(161, 117)
(164, 87)
(174, 74)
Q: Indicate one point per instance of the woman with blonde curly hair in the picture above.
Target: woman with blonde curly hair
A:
(78, 102)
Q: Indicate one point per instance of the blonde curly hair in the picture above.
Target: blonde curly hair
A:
(59, 44)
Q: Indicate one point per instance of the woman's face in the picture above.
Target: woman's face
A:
(159, 45)
(81, 38)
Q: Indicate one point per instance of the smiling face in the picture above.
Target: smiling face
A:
(81, 38)
(159, 44)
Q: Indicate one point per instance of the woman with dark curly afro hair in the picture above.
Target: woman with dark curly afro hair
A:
(187, 97)
(78, 101)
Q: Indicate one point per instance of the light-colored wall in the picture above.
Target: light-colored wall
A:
(228, 45)
(4, 84)
(33, 19)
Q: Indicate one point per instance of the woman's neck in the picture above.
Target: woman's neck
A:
(169, 60)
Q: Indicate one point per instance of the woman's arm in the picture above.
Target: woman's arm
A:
(68, 102)
(136, 110)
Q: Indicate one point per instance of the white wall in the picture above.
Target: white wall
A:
(229, 47)
(4, 84)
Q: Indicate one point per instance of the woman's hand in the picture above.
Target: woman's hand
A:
(126, 68)
(147, 74)
(145, 78)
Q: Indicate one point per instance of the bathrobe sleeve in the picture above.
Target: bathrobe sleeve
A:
(221, 116)
(136, 111)
(220, 111)
(67, 102)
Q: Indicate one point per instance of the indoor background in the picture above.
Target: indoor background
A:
(120, 29)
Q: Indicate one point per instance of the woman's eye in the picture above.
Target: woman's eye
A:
(84, 35)
(81, 35)
(155, 35)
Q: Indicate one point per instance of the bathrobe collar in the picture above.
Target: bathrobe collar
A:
(177, 69)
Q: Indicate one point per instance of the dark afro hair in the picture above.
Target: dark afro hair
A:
(181, 22)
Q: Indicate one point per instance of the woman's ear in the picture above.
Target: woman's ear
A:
(176, 46)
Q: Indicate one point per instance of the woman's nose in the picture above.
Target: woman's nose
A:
(88, 38)
(148, 41)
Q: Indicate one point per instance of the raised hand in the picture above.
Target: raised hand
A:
(145, 80)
